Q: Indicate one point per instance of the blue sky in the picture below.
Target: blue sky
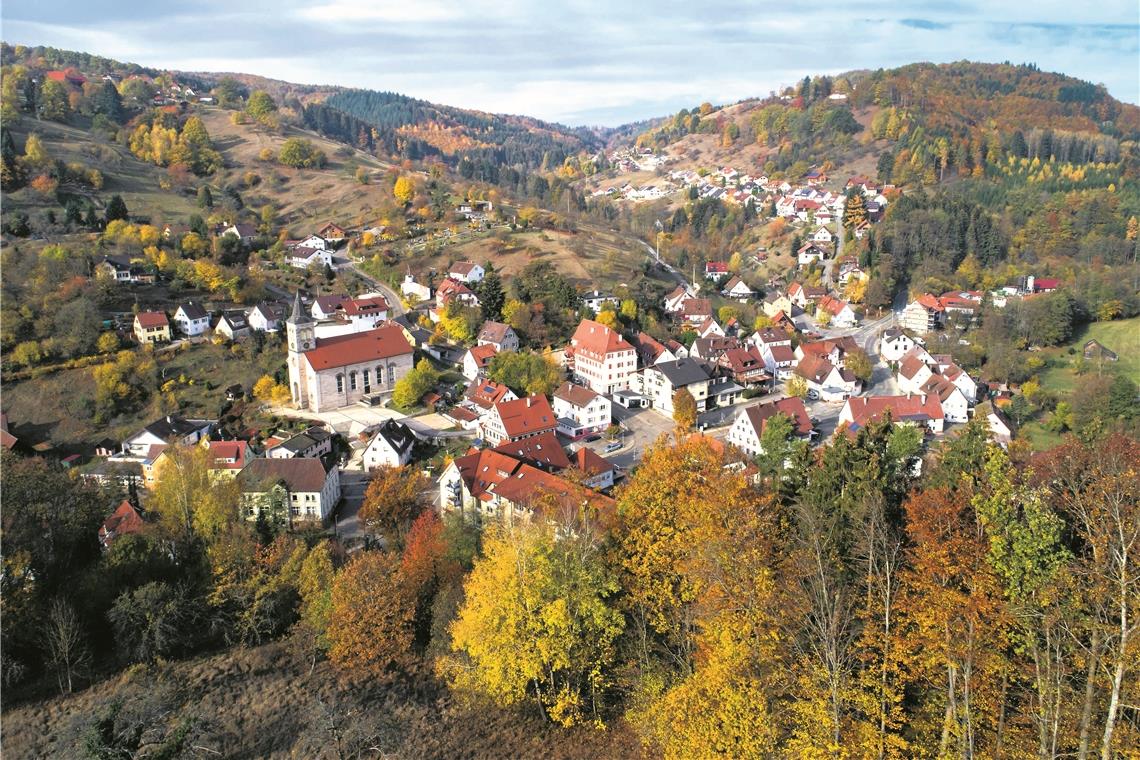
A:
(585, 61)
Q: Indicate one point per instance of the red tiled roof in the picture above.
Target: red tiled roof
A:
(588, 461)
(302, 474)
(930, 302)
(526, 416)
(782, 354)
(832, 305)
(716, 267)
(342, 350)
(578, 395)
(486, 393)
(542, 450)
(483, 354)
(529, 483)
(152, 319)
(123, 521)
(1046, 283)
(462, 267)
(814, 367)
(366, 306)
(792, 407)
(912, 407)
(222, 451)
(596, 340)
(696, 307)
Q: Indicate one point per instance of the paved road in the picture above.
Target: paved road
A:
(397, 306)
(669, 268)
(829, 264)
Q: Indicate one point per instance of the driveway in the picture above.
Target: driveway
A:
(346, 523)
(643, 426)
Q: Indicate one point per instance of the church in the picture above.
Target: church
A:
(330, 373)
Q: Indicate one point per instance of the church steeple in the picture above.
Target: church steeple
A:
(300, 328)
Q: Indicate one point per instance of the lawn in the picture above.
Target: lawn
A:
(1122, 337)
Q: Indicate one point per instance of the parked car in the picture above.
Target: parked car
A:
(593, 437)
(612, 446)
(813, 396)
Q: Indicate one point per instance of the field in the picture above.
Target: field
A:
(54, 408)
(1122, 337)
(264, 702)
(590, 256)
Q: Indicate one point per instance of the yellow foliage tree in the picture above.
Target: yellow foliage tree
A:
(404, 190)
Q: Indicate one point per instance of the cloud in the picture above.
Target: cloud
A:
(583, 61)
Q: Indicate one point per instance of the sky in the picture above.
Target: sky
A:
(585, 62)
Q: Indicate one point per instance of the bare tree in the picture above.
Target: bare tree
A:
(66, 644)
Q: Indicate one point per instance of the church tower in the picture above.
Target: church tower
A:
(301, 332)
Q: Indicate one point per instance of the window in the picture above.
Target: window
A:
(367, 383)
(340, 383)
(352, 380)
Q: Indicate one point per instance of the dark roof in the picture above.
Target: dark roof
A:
(494, 332)
(398, 435)
(792, 407)
(298, 474)
(542, 451)
(682, 372)
(173, 428)
(193, 311)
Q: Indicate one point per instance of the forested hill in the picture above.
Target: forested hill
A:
(418, 129)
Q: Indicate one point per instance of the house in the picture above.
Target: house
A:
(835, 350)
(477, 360)
(915, 368)
(955, 407)
(306, 258)
(822, 235)
(266, 317)
(290, 489)
(600, 358)
(599, 473)
(452, 290)
(518, 419)
(1041, 284)
(390, 447)
(650, 350)
(842, 315)
(171, 430)
(696, 310)
(122, 269)
(801, 295)
(366, 311)
(826, 379)
(911, 409)
(413, 290)
(746, 366)
(710, 349)
(488, 484)
(676, 298)
(779, 359)
(227, 458)
(246, 233)
(736, 288)
(955, 374)
(312, 443)
(999, 425)
(467, 272)
(232, 325)
(191, 319)
(922, 315)
(580, 410)
(894, 344)
(124, 521)
(330, 373)
(1094, 350)
(776, 302)
(332, 232)
(596, 300)
(542, 451)
(663, 379)
(151, 327)
(710, 328)
(808, 253)
(501, 336)
(716, 270)
(327, 307)
(748, 427)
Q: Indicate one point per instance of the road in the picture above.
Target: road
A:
(396, 305)
(669, 268)
(829, 264)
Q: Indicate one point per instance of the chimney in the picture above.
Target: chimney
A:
(923, 399)
(529, 401)
(169, 419)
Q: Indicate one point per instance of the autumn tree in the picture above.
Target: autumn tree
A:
(394, 499)
(404, 190)
(797, 386)
(537, 621)
(300, 153)
(854, 209)
(527, 373)
(859, 364)
(684, 409)
(412, 386)
(370, 614)
(188, 498)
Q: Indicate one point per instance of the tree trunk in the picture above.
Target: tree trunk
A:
(951, 711)
(1090, 692)
(1113, 706)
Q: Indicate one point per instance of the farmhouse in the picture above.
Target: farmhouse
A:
(151, 327)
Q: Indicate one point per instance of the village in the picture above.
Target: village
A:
(812, 358)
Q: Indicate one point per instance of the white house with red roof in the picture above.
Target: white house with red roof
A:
(751, 420)
(331, 373)
(842, 315)
(518, 419)
(453, 290)
(580, 410)
(600, 358)
(911, 409)
(477, 360)
(676, 298)
(716, 270)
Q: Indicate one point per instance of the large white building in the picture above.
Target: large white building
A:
(601, 359)
(330, 373)
(580, 410)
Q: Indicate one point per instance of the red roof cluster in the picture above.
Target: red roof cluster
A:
(342, 350)
(595, 340)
